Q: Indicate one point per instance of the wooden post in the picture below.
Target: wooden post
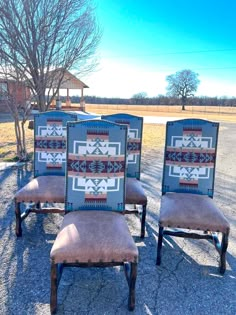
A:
(68, 102)
(53, 101)
(58, 102)
(82, 102)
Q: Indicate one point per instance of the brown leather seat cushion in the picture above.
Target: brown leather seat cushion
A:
(94, 236)
(52, 189)
(43, 189)
(134, 192)
(191, 211)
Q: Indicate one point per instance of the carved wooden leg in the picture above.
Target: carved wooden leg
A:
(132, 281)
(143, 221)
(18, 219)
(38, 205)
(159, 245)
(54, 284)
(224, 246)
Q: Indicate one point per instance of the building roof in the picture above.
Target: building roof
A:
(69, 81)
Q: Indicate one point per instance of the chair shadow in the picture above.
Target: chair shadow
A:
(178, 250)
(24, 261)
(182, 280)
(225, 182)
(25, 270)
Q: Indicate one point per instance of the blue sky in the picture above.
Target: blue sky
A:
(144, 41)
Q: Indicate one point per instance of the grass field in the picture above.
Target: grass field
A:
(8, 141)
(153, 134)
(205, 112)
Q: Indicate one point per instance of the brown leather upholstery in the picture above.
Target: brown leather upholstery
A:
(52, 189)
(94, 236)
(134, 192)
(43, 189)
(190, 211)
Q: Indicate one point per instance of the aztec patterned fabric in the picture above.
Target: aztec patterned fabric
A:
(96, 164)
(50, 142)
(135, 131)
(190, 156)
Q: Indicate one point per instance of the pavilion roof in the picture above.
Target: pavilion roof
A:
(69, 81)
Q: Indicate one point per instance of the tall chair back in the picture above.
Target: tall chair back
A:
(134, 145)
(187, 208)
(97, 234)
(48, 184)
(96, 164)
(190, 156)
(50, 142)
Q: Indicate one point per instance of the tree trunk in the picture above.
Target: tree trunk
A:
(41, 102)
(21, 150)
(184, 101)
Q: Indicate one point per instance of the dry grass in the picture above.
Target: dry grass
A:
(153, 134)
(205, 112)
(8, 141)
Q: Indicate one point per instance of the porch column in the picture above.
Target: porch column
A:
(68, 102)
(53, 100)
(82, 102)
(58, 102)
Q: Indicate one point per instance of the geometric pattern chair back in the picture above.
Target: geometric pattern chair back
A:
(190, 156)
(134, 145)
(96, 165)
(50, 142)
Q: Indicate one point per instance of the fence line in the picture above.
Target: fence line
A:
(163, 108)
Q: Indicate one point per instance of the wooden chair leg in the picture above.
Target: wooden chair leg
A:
(54, 285)
(159, 245)
(132, 281)
(38, 205)
(18, 219)
(143, 219)
(224, 245)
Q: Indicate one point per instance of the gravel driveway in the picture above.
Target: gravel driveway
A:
(187, 282)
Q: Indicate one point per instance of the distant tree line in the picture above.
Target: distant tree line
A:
(158, 100)
(181, 89)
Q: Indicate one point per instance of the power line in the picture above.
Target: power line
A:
(217, 68)
(174, 53)
(202, 68)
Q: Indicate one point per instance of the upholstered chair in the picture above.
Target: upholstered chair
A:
(135, 194)
(94, 232)
(48, 184)
(187, 207)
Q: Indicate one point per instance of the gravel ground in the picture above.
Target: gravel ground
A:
(187, 282)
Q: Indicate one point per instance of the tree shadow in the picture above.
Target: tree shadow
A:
(24, 261)
(187, 280)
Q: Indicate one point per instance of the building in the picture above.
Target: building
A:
(12, 91)
(69, 82)
(19, 92)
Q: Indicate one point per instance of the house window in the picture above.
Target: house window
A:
(3, 91)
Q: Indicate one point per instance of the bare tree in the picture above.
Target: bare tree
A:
(138, 98)
(39, 36)
(182, 84)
